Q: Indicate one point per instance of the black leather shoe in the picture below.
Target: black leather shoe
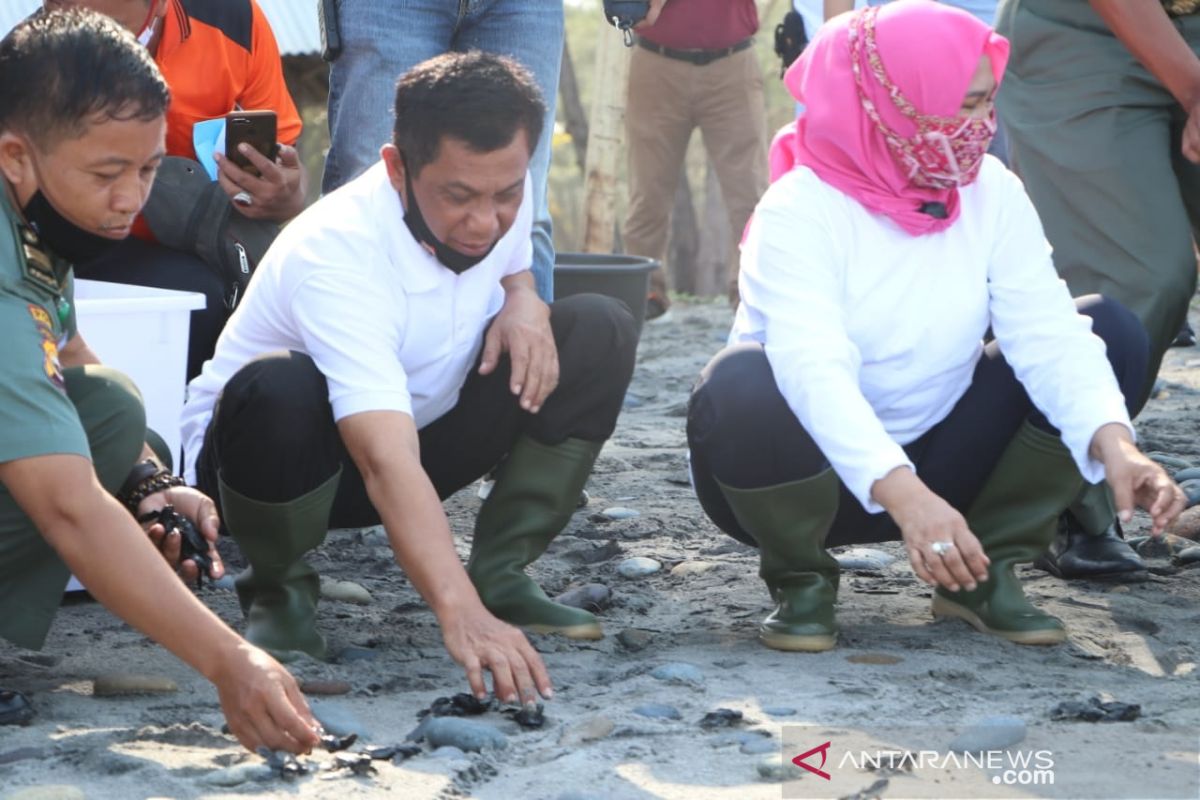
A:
(1186, 336)
(1076, 554)
(14, 708)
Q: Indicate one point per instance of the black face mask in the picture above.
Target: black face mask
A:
(451, 259)
(65, 238)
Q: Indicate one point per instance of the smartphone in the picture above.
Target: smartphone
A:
(256, 128)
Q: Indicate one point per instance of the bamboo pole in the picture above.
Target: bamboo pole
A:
(605, 139)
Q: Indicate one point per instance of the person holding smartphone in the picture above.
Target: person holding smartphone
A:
(217, 56)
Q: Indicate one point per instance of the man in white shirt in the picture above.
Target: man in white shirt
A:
(392, 349)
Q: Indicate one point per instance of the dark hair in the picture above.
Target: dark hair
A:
(479, 98)
(63, 70)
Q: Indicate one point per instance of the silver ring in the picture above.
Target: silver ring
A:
(243, 198)
(941, 548)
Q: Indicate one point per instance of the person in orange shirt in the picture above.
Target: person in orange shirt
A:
(217, 56)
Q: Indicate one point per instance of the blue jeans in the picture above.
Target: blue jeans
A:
(383, 39)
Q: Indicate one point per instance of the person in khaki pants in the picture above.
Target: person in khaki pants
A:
(694, 67)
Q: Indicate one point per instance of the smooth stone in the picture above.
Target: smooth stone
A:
(1191, 488)
(775, 768)
(590, 597)
(1189, 474)
(346, 592)
(1189, 555)
(989, 733)
(1187, 525)
(589, 730)
(658, 711)
(237, 775)
(50, 792)
(692, 568)
(638, 567)
(337, 719)
(122, 685)
(760, 746)
(633, 639)
(864, 558)
(465, 734)
(225, 582)
(779, 711)
(23, 754)
(351, 654)
(679, 672)
(448, 752)
(874, 658)
(325, 687)
(620, 512)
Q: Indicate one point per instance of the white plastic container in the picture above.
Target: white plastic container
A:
(142, 332)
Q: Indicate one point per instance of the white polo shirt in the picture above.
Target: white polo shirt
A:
(346, 283)
(873, 334)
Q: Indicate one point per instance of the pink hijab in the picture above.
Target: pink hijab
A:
(930, 52)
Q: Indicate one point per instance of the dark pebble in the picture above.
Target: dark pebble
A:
(1189, 555)
(1096, 710)
(634, 640)
(721, 718)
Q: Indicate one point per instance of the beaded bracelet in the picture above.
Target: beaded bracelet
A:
(145, 479)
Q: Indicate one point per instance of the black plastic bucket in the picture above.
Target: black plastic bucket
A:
(626, 278)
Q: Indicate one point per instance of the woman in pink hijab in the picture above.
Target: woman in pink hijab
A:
(857, 400)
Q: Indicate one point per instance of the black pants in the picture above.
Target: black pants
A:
(272, 436)
(742, 433)
(149, 264)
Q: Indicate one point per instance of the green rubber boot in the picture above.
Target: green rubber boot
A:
(790, 522)
(279, 591)
(1014, 518)
(536, 491)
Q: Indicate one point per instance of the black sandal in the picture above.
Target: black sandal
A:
(15, 709)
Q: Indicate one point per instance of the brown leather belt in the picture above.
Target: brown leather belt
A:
(697, 57)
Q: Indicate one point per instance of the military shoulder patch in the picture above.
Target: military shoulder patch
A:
(50, 362)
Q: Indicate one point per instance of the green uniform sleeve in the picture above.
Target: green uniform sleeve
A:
(36, 416)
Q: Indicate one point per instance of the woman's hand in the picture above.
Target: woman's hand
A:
(925, 520)
(1135, 479)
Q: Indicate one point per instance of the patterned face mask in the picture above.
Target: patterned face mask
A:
(945, 152)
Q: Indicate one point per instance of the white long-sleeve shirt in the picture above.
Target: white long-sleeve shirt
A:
(873, 334)
(348, 285)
